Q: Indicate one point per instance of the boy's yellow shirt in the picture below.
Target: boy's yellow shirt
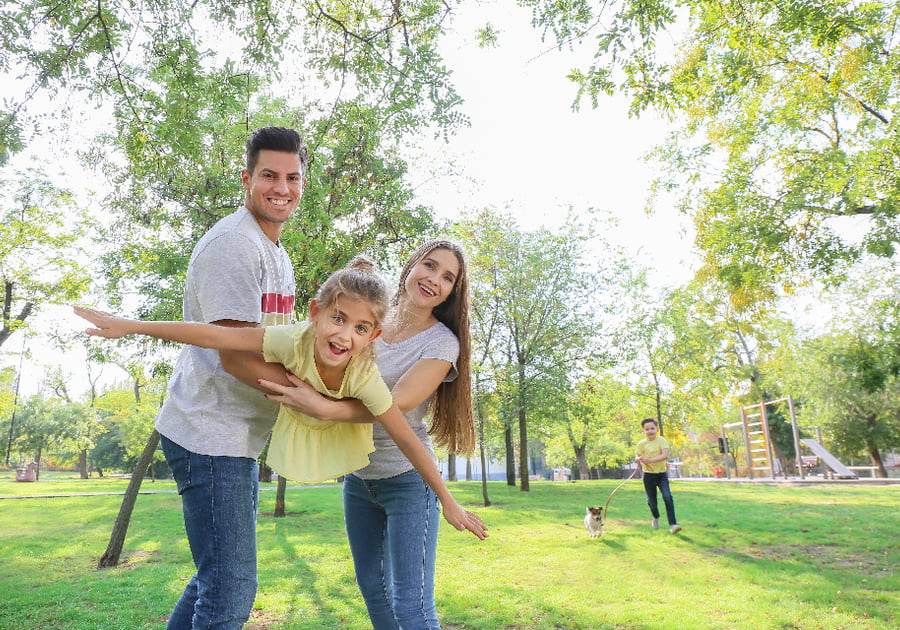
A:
(653, 448)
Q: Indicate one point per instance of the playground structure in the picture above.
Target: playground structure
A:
(760, 451)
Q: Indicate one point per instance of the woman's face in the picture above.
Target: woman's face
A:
(432, 280)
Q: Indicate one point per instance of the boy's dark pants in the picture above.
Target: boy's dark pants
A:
(652, 481)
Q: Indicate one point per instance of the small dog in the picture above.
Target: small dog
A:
(593, 520)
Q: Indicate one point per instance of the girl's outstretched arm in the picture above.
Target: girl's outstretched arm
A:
(194, 333)
(395, 424)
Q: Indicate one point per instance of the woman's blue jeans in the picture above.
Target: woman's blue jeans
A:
(392, 526)
(219, 498)
(652, 481)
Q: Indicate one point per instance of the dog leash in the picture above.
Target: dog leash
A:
(611, 494)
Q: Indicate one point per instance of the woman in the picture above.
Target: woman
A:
(391, 515)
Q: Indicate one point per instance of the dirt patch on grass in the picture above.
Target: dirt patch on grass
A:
(286, 514)
(131, 559)
(259, 620)
(830, 557)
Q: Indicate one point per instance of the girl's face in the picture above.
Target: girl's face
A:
(342, 331)
(432, 280)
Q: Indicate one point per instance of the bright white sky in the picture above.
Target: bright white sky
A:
(526, 150)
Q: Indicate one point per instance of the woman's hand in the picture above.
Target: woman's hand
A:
(107, 325)
(463, 520)
(299, 396)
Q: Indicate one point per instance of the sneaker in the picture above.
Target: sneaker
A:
(675, 529)
(655, 523)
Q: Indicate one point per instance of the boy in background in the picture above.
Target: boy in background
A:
(653, 454)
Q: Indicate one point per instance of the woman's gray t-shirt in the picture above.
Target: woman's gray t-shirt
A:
(393, 361)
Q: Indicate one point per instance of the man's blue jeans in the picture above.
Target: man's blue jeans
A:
(392, 526)
(652, 481)
(219, 497)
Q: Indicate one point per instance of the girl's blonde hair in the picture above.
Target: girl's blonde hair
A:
(358, 280)
(452, 420)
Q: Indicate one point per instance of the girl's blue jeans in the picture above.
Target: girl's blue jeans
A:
(219, 498)
(392, 526)
(652, 481)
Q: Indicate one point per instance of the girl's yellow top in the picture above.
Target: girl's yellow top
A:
(308, 449)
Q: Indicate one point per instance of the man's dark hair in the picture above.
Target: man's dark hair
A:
(275, 139)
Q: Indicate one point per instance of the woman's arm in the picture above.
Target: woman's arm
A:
(290, 391)
(194, 333)
(414, 387)
(408, 442)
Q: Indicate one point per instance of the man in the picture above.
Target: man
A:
(213, 426)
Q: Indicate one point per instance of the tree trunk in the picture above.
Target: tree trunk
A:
(279, 497)
(523, 432)
(483, 456)
(82, 463)
(484, 480)
(37, 460)
(468, 469)
(510, 456)
(451, 467)
(875, 456)
(116, 541)
(583, 472)
(523, 452)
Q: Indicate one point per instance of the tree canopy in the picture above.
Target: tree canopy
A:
(788, 122)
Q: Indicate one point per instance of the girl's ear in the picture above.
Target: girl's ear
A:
(375, 335)
(313, 308)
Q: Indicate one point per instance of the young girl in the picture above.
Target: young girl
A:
(424, 356)
(332, 353)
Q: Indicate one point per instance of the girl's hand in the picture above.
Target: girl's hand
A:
(108, 326)
(463, 520)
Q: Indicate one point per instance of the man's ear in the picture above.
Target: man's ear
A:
(245, 179)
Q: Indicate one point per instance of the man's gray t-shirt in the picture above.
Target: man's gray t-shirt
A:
(236, 272)
(393, 361)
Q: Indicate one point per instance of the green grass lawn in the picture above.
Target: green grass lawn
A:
(750, 556)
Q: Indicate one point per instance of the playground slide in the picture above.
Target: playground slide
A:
(840, 471)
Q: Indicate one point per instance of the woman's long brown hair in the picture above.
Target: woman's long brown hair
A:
(452, 420)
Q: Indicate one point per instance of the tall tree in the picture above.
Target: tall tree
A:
(186, 82)
(542, 291)
(44, 423)
(788, 115)
(847, 379)
(597, 424)
(41, 232)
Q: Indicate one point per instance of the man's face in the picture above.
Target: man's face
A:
(273, 189)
